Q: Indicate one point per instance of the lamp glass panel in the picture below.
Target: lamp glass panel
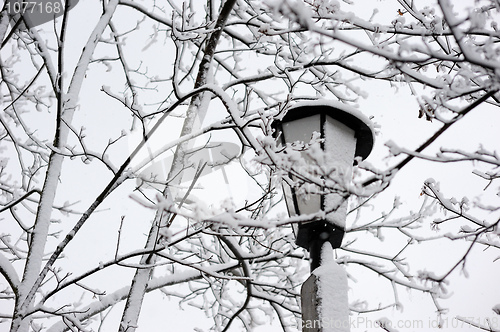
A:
(302, 130)
(340, 146)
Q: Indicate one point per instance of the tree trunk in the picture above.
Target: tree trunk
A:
(194, 117)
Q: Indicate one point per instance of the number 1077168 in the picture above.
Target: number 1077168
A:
(32, 7)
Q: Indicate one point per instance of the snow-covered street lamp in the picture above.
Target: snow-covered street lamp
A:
(345, 134)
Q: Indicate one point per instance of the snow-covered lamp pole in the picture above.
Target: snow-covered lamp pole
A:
(345, 134)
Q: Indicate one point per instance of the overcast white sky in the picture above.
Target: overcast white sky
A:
(395, 111)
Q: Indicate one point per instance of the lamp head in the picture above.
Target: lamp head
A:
(346, 133)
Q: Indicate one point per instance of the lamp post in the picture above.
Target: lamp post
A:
(345, 134)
